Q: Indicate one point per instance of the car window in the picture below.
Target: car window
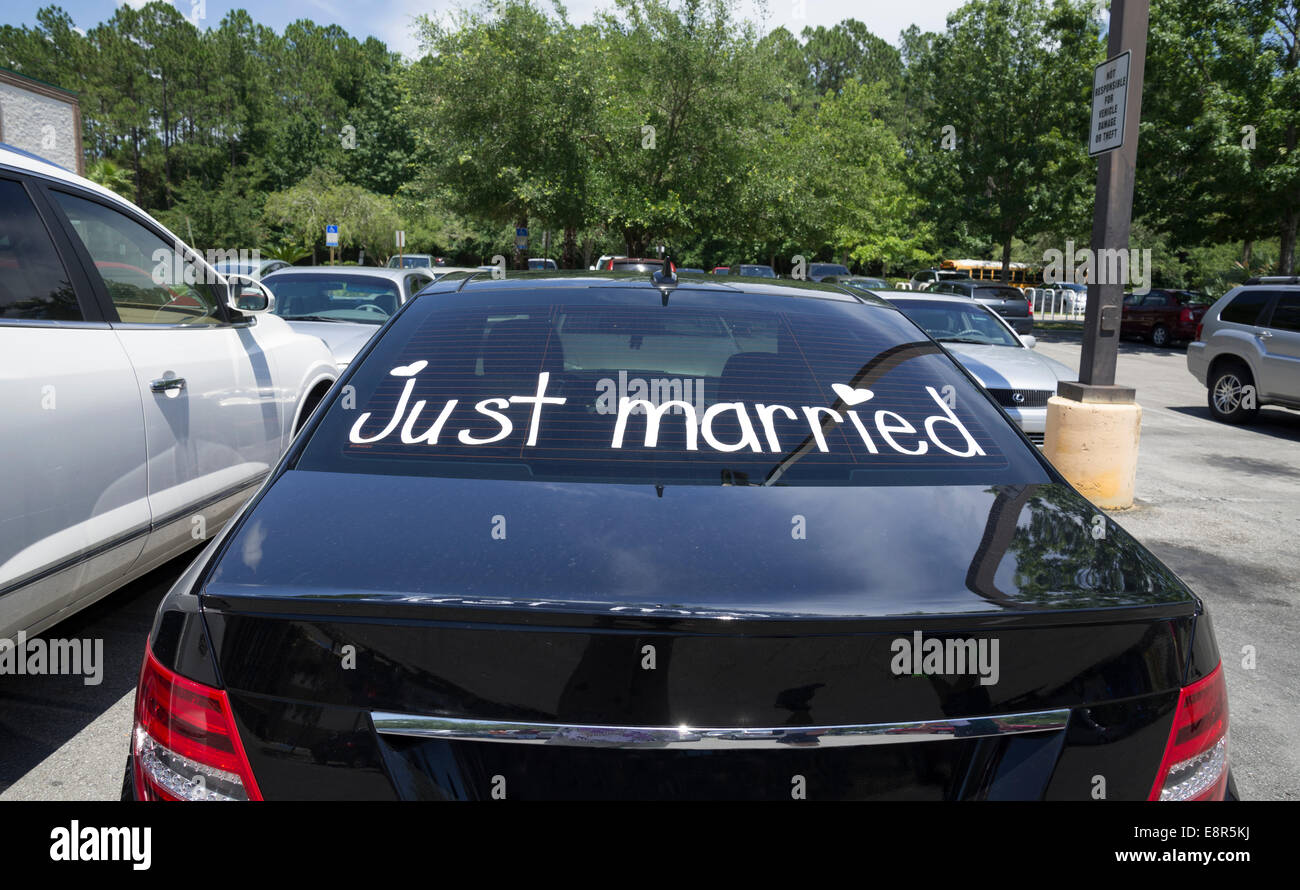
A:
(1155, 300)
(365, 299)
(1286, 314)
(604, 385)
(958, 322)
(999, 293)
(149, 280)
(1245, 307)
(33, 282)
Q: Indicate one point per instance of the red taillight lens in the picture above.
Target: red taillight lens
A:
(1030, 303)
(1195, 765)
(1200, 326)
(185, 745)
(1185, 317)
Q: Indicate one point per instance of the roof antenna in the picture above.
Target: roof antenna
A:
(666, 278)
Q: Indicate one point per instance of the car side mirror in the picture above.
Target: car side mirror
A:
(248, 296)
(1029, 340)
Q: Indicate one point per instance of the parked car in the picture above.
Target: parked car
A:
(1247, 350)
(146, 396)
(752, 270)
(413, 261)
(860, 282)
(436, 272)
(594, 537)
(1019, 379)
(924, 279)
(1163, 317)
(689, 270)
(1007, 301)
(540, 264)
(720, 270)
(632, 264)
(343, 305)
(821, 271)
(253, 269)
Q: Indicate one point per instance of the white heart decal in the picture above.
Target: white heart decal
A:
(409, 370)
(851, 396)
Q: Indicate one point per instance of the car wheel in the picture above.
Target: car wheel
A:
(1232, 394)
(1160, 335)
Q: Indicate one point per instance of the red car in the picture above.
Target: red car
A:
(1162, 316)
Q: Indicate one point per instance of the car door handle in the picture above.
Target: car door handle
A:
(163, 384)
(1265, 335)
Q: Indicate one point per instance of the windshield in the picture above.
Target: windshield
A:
(609, 385)
(950, 322)
(828, 269)
(318, 297)
(757, 271)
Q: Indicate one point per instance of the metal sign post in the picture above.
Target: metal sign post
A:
(1094, 426)
(401, 244)
(332, 240)
(1116, 112)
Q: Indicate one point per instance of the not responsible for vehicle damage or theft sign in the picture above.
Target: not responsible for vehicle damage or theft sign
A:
(331, 236)
(1109, 105)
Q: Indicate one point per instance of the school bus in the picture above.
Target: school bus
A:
(1022, 275)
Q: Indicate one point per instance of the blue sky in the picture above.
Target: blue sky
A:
(390, 20)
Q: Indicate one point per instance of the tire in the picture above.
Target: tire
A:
(1160, 336)
(1225, 393)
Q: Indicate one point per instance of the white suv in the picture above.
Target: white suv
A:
(145, 396)
(1247, 352)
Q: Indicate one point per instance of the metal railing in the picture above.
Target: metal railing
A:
(1057, 303)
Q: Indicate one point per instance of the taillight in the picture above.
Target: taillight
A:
(1195, 765)
(185, 745)
(1030, 304)
(1185, 317)
(1200, 326)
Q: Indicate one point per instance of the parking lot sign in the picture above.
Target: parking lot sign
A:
(331, 236)
(1109, 104)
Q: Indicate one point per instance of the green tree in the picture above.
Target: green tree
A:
(1012, 78)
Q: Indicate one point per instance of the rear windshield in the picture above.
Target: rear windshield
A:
(365, 299)
(610, 385)
(999, 293)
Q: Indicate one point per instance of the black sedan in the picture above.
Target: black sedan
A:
(607, 538)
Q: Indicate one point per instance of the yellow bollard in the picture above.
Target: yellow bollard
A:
(1095, 446)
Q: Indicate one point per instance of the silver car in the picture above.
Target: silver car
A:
(253, 268)
(343, 305)
(1019, 379)
(145, 398)
(1247, 352)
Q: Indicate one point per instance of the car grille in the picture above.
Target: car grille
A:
(1029, 398)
